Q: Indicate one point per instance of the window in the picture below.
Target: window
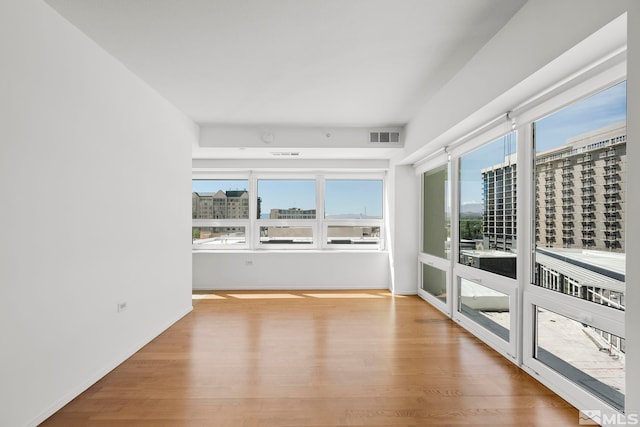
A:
(554, 271)
(579, 235)
(436, 217)
(220, 199)
(284, 234)
(211, 237)
(588, 356)
(485, 306)
(271, 211)
(434, 282)
(286, 199)
(435, 255)
(580, 164)
(353, 212)
(487, 207)
(353, 199)
(220, 213)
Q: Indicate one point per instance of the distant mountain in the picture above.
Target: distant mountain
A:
(472, 207)
(339, 216)
(352, 216)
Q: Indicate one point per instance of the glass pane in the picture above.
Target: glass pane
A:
(353, 198)
(488, 207)
(436, 238)
(434, 281)
(220, 199)
(286, 235)
(580, 199)
(216, 236)
(485, 306)
(591, 358)
(353, 235)
(286, 199)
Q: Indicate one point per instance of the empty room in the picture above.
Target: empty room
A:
(403, 213)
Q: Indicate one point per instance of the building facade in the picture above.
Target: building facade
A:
(580, 192)
(232, 204)
(292, 213)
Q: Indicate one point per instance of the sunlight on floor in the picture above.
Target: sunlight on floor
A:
(207, 296)
(265, 296)
(220, 295)
(343, 295)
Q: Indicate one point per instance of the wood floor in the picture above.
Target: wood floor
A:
(356, 358)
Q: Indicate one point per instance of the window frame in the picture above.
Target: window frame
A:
(494, 281)
(356, 222)
(319, 225)
(230, 222)
(525, 296)
(424, 258)
(599, 316)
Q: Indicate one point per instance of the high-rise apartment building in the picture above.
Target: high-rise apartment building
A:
(580, 192)
(579, 195)
(499, 200)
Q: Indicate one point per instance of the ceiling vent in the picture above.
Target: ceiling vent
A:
(384, 137)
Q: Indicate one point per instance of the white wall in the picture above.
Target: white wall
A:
(95, 172)
(291, 270)
(405, 235)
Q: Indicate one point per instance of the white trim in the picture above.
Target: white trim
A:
(442, 265)
(432, 161)
(318, 224)
(506, 348)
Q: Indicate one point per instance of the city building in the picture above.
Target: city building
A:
(220, 205)
(580, 192)
(500, 207)
(292, 213)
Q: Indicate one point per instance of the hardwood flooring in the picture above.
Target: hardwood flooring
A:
(353, 358)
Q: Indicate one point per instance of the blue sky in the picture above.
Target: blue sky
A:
(472, 163)
(596, 111)
(599, 110)
(342, 197)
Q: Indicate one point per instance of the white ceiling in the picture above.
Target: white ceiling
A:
(292, 62)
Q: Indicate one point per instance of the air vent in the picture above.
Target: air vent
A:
(384, 137)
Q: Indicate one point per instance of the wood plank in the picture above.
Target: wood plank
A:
(315, 359)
